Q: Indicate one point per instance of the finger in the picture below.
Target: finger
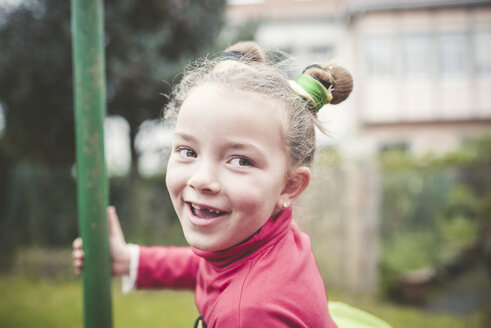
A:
(115, 230)
(78, 254)
(77, 243)
(78, 264)
(77, 270)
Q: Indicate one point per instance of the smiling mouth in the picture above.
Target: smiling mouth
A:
(205, 212)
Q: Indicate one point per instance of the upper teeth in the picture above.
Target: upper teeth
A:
(197, 207)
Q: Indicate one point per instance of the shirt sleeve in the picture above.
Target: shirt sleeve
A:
(171, 267)
(128, 281)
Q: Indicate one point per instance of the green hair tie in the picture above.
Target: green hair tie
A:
(315, 90)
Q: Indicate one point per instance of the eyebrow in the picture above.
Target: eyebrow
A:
(235, 145)
(240, 145)
(185, 136)
(246, 146)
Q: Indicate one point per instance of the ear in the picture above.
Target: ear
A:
(296, 184)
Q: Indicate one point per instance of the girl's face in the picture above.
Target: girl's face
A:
(228, 166)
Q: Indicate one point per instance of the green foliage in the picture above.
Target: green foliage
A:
(146, 212)
(457, 234)
(43, 210)
(36, 82)
(433, 208)
(41, 207)
(147, 42)
(412, 196)
(409, 251)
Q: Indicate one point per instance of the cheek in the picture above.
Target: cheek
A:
(257, 198)
(168, 180)
(249, 203)
(173, 180)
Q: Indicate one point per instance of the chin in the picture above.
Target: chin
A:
(203, 245)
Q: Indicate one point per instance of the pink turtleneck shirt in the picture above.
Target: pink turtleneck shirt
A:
(271, 280)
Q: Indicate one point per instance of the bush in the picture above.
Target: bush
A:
(433, 208)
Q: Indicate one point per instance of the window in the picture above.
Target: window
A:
(417, 57)
(380, 56)
(452, 54)
(482, 52)
(400, 146)
(244, 2)
(320, 53)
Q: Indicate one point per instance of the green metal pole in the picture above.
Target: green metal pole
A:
(90, 110)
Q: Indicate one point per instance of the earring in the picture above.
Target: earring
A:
(281, 206)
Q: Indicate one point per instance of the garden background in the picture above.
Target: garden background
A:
(404, 236)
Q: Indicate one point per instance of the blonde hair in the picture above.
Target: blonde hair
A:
(243, 67)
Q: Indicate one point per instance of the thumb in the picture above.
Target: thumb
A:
(114, 225)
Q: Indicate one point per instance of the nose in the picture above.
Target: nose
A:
(204, 179)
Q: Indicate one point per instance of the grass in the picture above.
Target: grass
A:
(27, 302)
(41, 291)
(406, 316)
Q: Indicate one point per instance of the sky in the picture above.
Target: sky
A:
(152, 143)
(10, 2)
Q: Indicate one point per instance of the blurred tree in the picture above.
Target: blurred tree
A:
(436, 212)
(147, 42)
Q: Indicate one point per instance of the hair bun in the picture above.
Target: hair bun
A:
(246, 51)
(336, 80)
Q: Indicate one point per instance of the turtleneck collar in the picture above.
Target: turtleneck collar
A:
(272, 231)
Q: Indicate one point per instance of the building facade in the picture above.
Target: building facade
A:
(422, 69)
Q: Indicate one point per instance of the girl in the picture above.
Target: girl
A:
(243, 145)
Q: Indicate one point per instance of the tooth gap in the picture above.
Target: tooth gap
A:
(198, 208)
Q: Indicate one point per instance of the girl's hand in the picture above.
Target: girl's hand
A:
(78, 256)
(120, 254)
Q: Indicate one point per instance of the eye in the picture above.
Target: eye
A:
(241, 161)
(186, 152)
